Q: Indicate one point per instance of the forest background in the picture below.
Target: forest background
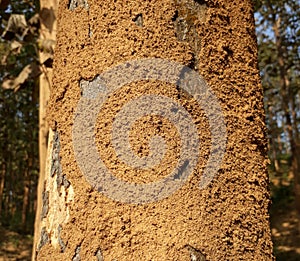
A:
(278, 36)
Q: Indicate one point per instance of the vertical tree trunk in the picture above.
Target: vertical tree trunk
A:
(287, 105)
(25, 202)
(29, 156)
(87, 213)
(2, 182)
(3, 175)
(274, 140)
(47, 32)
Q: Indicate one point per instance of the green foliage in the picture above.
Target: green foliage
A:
(282, 195)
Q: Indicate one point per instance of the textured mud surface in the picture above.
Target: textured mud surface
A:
(228, 220)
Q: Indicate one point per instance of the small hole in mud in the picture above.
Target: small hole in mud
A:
(250, 118)
(201, 2)
(138, 20)
(175, 16)
(228, 50)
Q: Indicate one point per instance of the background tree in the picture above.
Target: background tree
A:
(46, 43)
(278, 37)
(277, 27)
(18, 109)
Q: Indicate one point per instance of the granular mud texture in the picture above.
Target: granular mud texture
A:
(226, 220)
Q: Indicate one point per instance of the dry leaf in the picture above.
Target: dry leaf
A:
(34, 19)
(30, 71)
(16, 25)
(15, 46)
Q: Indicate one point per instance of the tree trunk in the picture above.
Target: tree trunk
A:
(152, 200)
(2, 183)
(274, 139)
(47, 33)
(25, 200)
(285, 91)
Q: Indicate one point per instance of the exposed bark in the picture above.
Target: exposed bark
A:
(48, 33)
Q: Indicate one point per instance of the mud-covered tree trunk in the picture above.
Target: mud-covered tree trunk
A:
(148, 160)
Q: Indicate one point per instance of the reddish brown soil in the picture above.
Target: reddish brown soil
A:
(285, 224)
(14, 246)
